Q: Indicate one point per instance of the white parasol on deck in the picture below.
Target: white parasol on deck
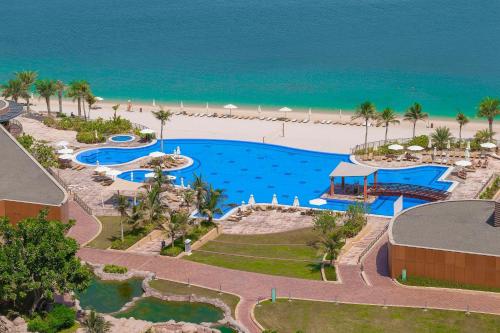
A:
(274, 201)
(251, 200)
(317, 202)
(415, 148)
(65, 151)
(66, 157)
(488, 145)
(156, 154)
(296, 202)
(395, 147)
(285, 110)
(463, 163)
(147, 131)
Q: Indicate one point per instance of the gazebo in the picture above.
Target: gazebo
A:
(345, 169)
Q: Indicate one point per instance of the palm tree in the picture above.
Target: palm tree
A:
(95, 323)
(366, 111)
(91, 100)
(414, 114)
(211, 205)
(200, 189)
(188, 198)
(462, 120)
(179, 224)
(13, 89)
(483, 135)
(152, 209)
(332, 243)
(489, 108)
(46, 89)
(60, 87)
(162, 116)
(77, 91)
(115, 108)
(122, 207)
(387, 117)
(441, 136)
(27, 78)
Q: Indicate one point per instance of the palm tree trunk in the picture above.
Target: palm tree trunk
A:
(121, 229)
(28, 104)
(79, 107)
(84, 112)
(47, 100)
(460, 135)
(386, 130)
(366, 136)
(161, 136)
(60, 102)
(414, 125)
(490, 124)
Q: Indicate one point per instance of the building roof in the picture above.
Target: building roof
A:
(461, 226)
(345, 169)
(9, 110)
(22, 178)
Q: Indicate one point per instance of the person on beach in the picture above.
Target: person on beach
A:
(129, 105)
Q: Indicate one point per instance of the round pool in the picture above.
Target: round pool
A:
(122, 138)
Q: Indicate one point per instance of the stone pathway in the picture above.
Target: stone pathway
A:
(86, 226)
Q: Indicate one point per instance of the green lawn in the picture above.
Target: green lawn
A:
(427, 282)
(168, 287)
(110, 231)
(72, 329)
(322, 317)
(269, 251)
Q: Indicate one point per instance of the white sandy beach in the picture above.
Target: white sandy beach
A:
(322, 137)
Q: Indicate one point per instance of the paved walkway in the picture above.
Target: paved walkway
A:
(86, 227)
(253, 286)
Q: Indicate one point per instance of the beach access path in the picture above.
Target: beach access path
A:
(253, 287)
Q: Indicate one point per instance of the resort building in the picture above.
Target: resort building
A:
(457, 241)
(25, 186)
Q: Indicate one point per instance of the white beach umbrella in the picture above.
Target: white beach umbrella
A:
(435, 152)
(99, 99)
(340, 114)
(274, 202)
(448, 145)
(65, 151)
(251, 200)
(259, 110)
(62, 143)
(429, 145)
(66, 157)
(467, 154)
(156, 154)
(296, 202)
(170, 177)
(463, 163)
(182, 182)
(285, 110)
(230, 107)
(101, 168)
(395, 147)
(317, 202)
(206, 107)
(147, 131)
(150, 175)
(178, 150)
(415, 148)
(488, 145)
(182, 106)
(154, 102)
(468, 145)
(309, 114)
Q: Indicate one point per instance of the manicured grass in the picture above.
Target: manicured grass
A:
(110, 232)
(426, 282)
(316, 317)
(265, 253)
(195, 234)
(72, 329)
(174, 288)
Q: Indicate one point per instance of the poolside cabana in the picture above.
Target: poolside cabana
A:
(123, 187)
(345, 169)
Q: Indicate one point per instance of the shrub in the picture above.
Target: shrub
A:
(421, 140)
(89, 137)
(59, 318)
(115, 269)
(37, 324)
(491, 190)
(26, 141)
(171, 251)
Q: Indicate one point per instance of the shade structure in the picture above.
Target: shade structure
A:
(62, 144)
(296, 202)
(488, 145)
(251, 200)
(395, 147)
(230, 107)
(99, 99)
(156, 154)
(65, 151)
(147, 131)
(66, 157)
(344, 169)
(101, 168)
(415, 148)
(285, 110)
(463, 163)
(274, 202)
(150, 175)
(317, 202)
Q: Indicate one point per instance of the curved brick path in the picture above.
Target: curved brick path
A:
(86, 227)
(253, 286)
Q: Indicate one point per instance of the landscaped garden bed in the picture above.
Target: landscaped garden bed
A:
(428, 282)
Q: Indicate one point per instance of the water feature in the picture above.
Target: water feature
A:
(109, 296)
(245, 168)
(156, 310)
(121, 138)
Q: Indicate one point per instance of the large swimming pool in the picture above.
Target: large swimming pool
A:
(245, 168)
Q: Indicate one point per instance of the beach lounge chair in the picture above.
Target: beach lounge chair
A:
(323, 121)
(305, 121)
(293, 120)
(274, 119)
(262, 118)
(328, 122)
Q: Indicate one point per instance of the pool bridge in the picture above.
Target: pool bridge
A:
(408, 190)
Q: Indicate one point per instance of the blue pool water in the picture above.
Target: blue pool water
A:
(244, 168)
(122, 138)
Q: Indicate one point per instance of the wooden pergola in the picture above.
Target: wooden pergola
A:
(345, 169)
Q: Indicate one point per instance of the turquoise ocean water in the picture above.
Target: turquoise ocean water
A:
(320, 54)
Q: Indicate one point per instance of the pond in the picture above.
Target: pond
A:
(109, 296)
(156, 310)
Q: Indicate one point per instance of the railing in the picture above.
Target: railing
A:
(82, 204)
(372, 243)
(409, 190)
(76, 197)
(139, 126)
(59, 180)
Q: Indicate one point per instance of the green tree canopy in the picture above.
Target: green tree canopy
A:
(46, 89)
(366, 111)
(441, 136)
(414, 114)
(489, 108)
(37, 261)
(386, 118)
